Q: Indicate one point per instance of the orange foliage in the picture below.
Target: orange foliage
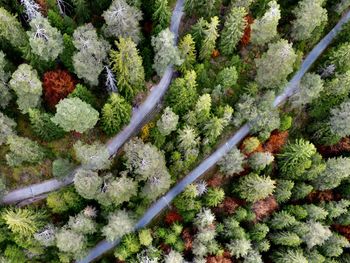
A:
(336, 149)
(318, 196)
(187, 238)
(265, 207)
(224, 258)
(276, 141)
(145, 131)
(244, 150)
(215, 53)
(215, 181)
(247, 31)
(43, 6)
(228, 206)
(57, 85)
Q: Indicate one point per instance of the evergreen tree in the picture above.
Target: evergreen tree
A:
(45, 40)
(167, 122)
(70, 242)
(72, 114)
(214, 196)
(82, 224)
(122, 20)
(84, 94)
(23, 150)
(12, 30)
(87, 183)
(210, 36)
(61, 168)
(286, 238)
(27, 86)
(283, 190)
(340, 120)
(213, 128)
(227, 77)
(239, 247)
(7, 127)
(253, 187)
(127, 65)
(188, 139)
(161, 15)
(340, 57)
(275, 65)
(232, 162)
(258, 161)
(233, 30)
(264, 29)
(115, 114)
(119, 224)
(202, 109)
(316, 234)
(173, 257)
(90, 55)
(165, 51)
(5, 94)
(333, 246)
(309, 15)
(282, 220)
(342, 6)
(289, 256)
(202, 8)
(43, 127)
(187, 50)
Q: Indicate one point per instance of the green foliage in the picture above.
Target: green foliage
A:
(7, 128)
(286, 122)
(11, 29)
(5, 94)
(258, 232)
(44, 40)
(202, 8)
(232, 163)
(264, 29)
(161, 15)
(339, 57)
(63, 201)
(309, 15)
(227, 77)
(282, 220)
(286, 238)
(210, 33)
(296, 158)
(187, 51)
(127, 64)
(65, 24)
(82, 10)
(14, 254)
(339, 120)
(122, 24)
(82, 224)
(233, 30)
(289, 256)
(115, 114)
(301, 190)
(23, 150)
(259, 160)
(84, 94)
(145, 237)
(239, 247)
(165, 52)
(275, 65)
(342, 6)
(68, 51)
(119, 224)
(182, 94)
(43, 127)
(253, 187)
(73, 114)
(27, 86)
(214, 196)
(283, 190)
(70, 242)
(333, 246)
(90, 55)
(167, 122)
(87, 183)
(316, 234)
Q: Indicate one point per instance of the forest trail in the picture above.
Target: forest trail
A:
(164, 201)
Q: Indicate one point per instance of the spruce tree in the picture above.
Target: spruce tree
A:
(340, 120)
(161, 15)
(119, 223)
(232, 162)
(87, 183)
(233, 30)
(167, 122)
(127, 65)
(5, 93)
(340, 57)
(210, 36)
(187, 50)
(7, 128)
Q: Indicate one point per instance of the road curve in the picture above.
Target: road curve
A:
(164, 201)
(140, 115)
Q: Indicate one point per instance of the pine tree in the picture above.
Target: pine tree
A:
(283, 191)
(12, 30)
(122, 20)
(275, 65)
(227, 77)
(282, 220)
(286, 238)
(119, 224)
(43, 127)
(316, 234)
(340, 119)
(23, 150)
(214, 196)
(210, 36)
(167, 122)
(27, 86)
(233, 30)
(127, 65)
(90, 55)
(7, 128)
(289, 256)
(72, 114)
(87, 183)
(161, 15)
(253, 187)
(232, 163)
(202, 109)
(187, 50)
(165, 51)
(62, 168)
(45, 40)
(239, 247)
(5, 94)
(115, 114)
(309, 15)
(264, 29)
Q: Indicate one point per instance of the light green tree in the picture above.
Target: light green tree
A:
(91, 52)
(165, 51)
(72, 114)
(232, 162)
(188, 139)
(82, 224)
(7, 128)
(120, 223)
(264, 29)
(45, 41)
(127, 65)
(233, 30)
(5, 93)
(309, 15)
(187, 51)
(27, 86)
(210, 36)
(23, 150)
(202, 109)
(212, 129)
(92, 157)
(340, 119)
(340, 57)
(167, 122)
(289, 256)
(122, 20)
(239, 247)
(275, 65)
(316, 234)
(227, 77)
(259, 160)
(68, 241)
(253, 187)
(87, 183)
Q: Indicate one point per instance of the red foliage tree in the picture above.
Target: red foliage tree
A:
(336, 149)
(276, 141)
(265, 207)
(247, 31)
(172, 217)
(57, 85)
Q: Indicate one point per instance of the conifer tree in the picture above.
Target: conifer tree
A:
(161, 15)
(27, 86)
(12, 30)
(187, 50)
(115, 114)
(165, 51)
(122, 20)
(5, 93)
(201, 8)
(275, 65)
(127, 65)
(119, 224)
(45, 40)
(258, 161)
(7, 128)
(43, 127)
(213, 128)
(90, 55)
(23, 150)
(167, 122)
(72, 114)
(87, 183)
(340, 57)
(340, 120)
(227, 77)
(210, 36)
(70, 242)
(81, 92)
(188, 139)
(309, 15)
(264, 29)
(233, 29)
(232, 162)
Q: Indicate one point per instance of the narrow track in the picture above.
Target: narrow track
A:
(35, 192)
(104, 246)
